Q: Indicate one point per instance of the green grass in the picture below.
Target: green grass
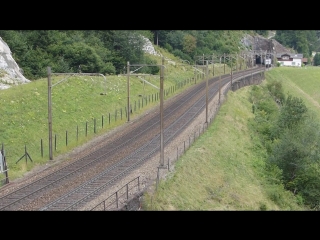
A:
(300, 82)
(77, 103)
(225, 168)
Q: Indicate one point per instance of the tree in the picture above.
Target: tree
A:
(84, 55)
(285, 37)
(129, 45)
(263, 33)
(292, 112)
(297, 154)
(175, 39)
(302, 44)
(189, 43)
(316, 60)
(160, 36)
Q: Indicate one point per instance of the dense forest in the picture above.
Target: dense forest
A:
(107, 51)
(302, 41)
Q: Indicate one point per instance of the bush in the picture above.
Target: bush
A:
(181, 55)
(108, 68)
(168, 47)
(152, 69)
(276, 90)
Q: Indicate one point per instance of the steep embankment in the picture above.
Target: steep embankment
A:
(225, 168)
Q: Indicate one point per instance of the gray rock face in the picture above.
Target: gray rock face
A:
(10, 73)
(148, 47)
(265, 44)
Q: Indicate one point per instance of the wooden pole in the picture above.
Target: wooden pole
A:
(128, 91)
(161, 114)
(50, 113)
(206, 93)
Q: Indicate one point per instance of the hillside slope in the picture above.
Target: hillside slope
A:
(222, 170)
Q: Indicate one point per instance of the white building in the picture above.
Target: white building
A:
(290, 59)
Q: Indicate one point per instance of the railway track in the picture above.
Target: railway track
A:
(73, 185)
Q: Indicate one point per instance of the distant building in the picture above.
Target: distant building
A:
(305, 61)
(290, 59)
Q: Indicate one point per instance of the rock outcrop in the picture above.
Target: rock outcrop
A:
(148, 47)
(10, 73)
(260, 43)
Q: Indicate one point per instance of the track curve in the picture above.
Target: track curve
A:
(77, 183)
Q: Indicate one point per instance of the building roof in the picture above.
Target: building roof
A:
(291, 55)
(304, 60)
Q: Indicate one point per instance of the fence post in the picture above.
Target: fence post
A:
(102, 121)
(55, 142)
(117, 199)
(177, 154)
(5, 164)
(1, 161)
(127, 187)
(41, 148)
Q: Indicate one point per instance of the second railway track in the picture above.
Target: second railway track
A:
(72, 186)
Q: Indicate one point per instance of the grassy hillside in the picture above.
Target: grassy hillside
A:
(82, 108)
(300, 82)
(225, 169)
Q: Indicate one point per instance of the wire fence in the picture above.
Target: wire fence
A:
(73, 137)
(120, 199)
